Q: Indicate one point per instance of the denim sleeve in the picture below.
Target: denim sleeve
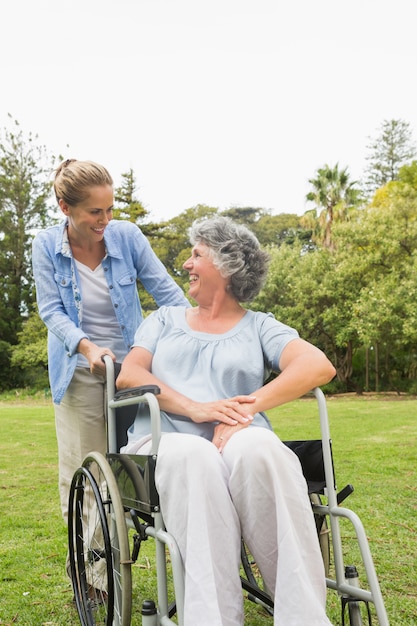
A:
(154, 276)
(54, 294)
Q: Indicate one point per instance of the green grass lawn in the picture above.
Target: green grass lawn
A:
(374, 447)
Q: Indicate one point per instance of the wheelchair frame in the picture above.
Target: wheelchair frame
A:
(114, 514)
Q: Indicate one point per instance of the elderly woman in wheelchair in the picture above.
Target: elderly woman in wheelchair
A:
(222, 474)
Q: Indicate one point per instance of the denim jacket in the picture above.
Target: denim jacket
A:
(129, 257)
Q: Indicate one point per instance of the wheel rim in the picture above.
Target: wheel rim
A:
(323, 533)
(91, 553)
(100, 563)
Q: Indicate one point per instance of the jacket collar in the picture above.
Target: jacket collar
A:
(63, 246)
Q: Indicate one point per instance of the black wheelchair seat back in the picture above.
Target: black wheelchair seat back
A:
(125, 415)
(310, 454)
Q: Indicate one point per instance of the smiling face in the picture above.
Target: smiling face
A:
(205, 278)
(88, 219)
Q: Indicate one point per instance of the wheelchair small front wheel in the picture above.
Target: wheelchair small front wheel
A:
(355, 617)
(98, 546)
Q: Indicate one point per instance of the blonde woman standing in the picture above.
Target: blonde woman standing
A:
(86, 271)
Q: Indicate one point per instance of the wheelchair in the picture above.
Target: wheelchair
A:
(114, 507)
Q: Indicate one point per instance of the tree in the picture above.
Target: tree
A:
(170, 240)
(380, 251)
(388, 152)
(276, 229)
(25, 189)
(30, 355)
(307, 291)
(128, 207)
(358, 299)
(244, 215)
(334, 196)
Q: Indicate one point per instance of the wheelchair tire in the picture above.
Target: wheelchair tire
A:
(323, 533)
(98, 546)
(252, 581)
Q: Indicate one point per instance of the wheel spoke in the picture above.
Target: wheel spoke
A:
(97, 536)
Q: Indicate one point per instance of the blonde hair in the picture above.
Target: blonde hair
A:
(73, 180)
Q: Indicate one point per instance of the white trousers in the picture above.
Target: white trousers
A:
(80, 427)
(254, 489)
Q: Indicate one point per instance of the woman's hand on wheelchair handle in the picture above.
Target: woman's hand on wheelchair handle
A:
(94, 354)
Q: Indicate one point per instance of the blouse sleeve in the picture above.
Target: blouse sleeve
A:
(148, 333)
(274, 337)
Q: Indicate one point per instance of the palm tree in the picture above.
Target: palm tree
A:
(334, 196)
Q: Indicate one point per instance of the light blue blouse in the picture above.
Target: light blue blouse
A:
(207, 367)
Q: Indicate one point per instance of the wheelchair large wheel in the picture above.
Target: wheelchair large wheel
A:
(252, 581)
(323, 533)
(99, 546)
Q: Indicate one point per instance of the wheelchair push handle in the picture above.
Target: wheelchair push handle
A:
(112, 372)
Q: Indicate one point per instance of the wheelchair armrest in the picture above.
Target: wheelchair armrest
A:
(137, 391)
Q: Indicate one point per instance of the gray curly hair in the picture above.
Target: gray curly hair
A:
(236, 253)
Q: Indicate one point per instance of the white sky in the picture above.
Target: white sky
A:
(217, 102)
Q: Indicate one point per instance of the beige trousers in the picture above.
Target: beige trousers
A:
(80, 427)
